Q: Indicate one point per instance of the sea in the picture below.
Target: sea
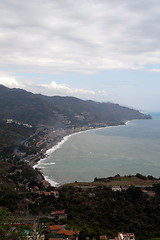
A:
(125, 150)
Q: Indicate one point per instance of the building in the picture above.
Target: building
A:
(60, 214)
(116, 188)
(56, 194)
(126, 236)
(54, 228)
(45, 183)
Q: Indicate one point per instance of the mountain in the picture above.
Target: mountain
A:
(56, 111)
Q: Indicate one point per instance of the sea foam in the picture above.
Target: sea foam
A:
(53, 183)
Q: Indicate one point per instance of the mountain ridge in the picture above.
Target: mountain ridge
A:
(37, 109)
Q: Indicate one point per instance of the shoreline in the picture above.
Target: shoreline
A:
(59, 144)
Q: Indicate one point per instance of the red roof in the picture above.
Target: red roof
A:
(103, 237)
(59, 212)
(67, 232)
(47, 193)
(55, 238)
(144, 191)
(60, 232)
(44, 181)
(54, 227)
(126, 235)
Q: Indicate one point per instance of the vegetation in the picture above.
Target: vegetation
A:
(94, 210)
(11, 136)
(10, 229)
(57, 111)
(109, 212)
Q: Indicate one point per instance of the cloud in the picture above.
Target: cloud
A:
(103, 92)
(50, 89)
(79, 36)
(155, 70)
(9, 81)
(60, 89)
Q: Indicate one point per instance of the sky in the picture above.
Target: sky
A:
(103, 50)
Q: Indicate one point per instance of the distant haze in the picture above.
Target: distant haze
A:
(99, 49)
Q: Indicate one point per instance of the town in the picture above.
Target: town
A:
(58, 213)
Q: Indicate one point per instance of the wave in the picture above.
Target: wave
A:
(47, 164)
(58, 145)
(53, 183)
(39, 163)
(52, 150)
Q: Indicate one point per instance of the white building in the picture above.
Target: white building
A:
(126, 236)
(116, 188)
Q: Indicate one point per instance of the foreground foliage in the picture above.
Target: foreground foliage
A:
(10, 229)
(109, 212)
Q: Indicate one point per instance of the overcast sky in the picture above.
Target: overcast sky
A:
(105, 50)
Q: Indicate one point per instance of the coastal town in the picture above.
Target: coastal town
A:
(34, 148)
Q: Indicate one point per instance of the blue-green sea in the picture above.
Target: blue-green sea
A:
(130, 149)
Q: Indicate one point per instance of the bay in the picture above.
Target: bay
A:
(124, 150)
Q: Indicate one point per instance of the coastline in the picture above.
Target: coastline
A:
(52, 148)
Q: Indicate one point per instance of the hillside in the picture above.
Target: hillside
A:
(36, 109)
(27, 120)
(11, 135)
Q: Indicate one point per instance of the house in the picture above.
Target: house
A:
(91, 195)
(56, 194)
(54, 228)
(126, 236)
(59, 233)
(149, 193)
(59, 213)
(45, 183)
(103, 237)
(116, 188)
(47, 193)
(144, 191)
(68, 233)
(125, 188)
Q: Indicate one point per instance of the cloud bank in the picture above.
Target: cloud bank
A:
(50, 89)
(79, 36)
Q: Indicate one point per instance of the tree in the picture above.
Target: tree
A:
(82, 235)
(9, 229)
(97, 236)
